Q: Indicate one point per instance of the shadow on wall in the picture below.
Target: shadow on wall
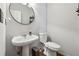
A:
(49, 39)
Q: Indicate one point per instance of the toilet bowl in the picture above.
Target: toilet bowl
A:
(50, 48)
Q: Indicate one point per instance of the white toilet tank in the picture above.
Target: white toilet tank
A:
(43, 37)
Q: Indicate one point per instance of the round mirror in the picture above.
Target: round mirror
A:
(22, 13)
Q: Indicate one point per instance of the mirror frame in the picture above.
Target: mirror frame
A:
(19, 22)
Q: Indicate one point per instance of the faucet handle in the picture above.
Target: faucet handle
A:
(30, 33)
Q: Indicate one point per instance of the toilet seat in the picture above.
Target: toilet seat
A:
(52, 46)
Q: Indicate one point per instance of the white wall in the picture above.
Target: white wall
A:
(63, 26)
(13, 28)
(2, 30)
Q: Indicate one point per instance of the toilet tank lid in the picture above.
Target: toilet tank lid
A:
(42, 33)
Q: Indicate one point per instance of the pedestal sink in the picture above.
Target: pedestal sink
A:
(24, 41)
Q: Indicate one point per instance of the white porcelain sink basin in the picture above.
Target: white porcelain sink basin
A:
(24, 40)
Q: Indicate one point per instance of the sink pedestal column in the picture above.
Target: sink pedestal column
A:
(25, 50)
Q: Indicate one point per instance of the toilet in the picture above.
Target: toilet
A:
(50, 48)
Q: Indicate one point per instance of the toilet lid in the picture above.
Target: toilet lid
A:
(52, 45)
